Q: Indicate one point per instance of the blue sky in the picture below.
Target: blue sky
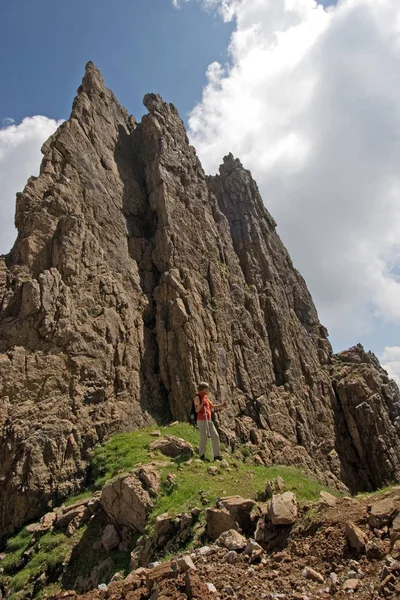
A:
(278, 103)
(139, 45)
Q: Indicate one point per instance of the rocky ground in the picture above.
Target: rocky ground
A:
(336, 548)
(176, 527)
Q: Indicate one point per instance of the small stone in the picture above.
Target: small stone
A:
(274, 486)
(376, 549)
(327, 499)
(352, 574)
(388, 579)
(156, 433)
(357, 538)
(211, 588)
(213, 470)
(232, 540)
(231, 557)
(313, 575)
(351, 585)
(171, 480)
(184, 564)
(252, 546)
(333, 581)
(154, 564)
(103, 587)
(204, 550)
(229, 591)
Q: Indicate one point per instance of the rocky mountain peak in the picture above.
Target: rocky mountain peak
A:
(133, 277)
(93, 82)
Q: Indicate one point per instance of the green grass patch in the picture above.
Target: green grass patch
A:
(377, 493)
(15, 548)
(124, 451)
(82, 496)
(47, 557)
(195, 486)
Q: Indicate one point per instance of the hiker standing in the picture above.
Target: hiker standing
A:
(204, 407)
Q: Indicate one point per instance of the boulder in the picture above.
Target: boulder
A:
(79, 512)
(195, 587)
(162, 571)
(172, 446)
(48, 520)
(110, 538)
(283, 509)
(357, 538)
(218, 520)
(33, 527)
(232, 540)
(161, 528)
(184, 564)
(382, 513)
(240, 510)
(327, 498)
(126, 502)
(395, 532)
(150, 478)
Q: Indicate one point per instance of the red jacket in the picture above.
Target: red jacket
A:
(201, 416)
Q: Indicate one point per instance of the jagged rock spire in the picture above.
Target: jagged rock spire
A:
(134, 276)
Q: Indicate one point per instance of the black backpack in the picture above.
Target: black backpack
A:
(193, 414)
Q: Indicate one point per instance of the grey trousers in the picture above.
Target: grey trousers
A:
(203, 425)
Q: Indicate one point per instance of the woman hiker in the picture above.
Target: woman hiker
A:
(204, 406)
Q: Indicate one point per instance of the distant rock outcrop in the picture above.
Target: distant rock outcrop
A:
(132, 277)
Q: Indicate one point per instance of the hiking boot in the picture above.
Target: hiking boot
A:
(203, 458)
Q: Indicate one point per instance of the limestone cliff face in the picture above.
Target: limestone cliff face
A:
(133, 276)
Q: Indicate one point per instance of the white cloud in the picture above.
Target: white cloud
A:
(20, 158)
(390, 360)
(177, 3)
(310, 103)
